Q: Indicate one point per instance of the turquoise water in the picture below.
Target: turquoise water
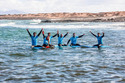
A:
(19, 63)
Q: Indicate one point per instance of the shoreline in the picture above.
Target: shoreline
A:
(69, 17)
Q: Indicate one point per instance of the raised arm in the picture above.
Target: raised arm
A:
(66, 34)
(40, 32)
(103, 34)
(56, 34)
(28, 32)
(43, 34)
(68, 41)
(81, 35)
(92, 33)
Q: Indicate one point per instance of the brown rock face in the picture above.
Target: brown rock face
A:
(70, 17)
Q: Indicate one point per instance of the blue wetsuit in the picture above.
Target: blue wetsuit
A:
(34, 40)
(99, 39)
(60, 40)
(45, 41)
(73, 40)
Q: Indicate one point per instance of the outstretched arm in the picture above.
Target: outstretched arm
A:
(28, 32)
(40, 32)
(68, 41)
(56, 34)
(81, 35)
(103, 34)
(66, 34)
(93, 34)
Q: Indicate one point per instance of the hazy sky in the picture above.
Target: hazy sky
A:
(47, 6)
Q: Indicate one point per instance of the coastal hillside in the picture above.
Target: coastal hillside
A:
(70, 17)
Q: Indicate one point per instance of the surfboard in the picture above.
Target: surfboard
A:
(37, 48)
(82, 46)
(94, 46)
(60, 47)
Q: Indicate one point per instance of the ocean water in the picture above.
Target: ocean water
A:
(20, 64)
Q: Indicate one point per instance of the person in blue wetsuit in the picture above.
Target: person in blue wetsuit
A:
(47, 39)
(74, 40)
(34, 38)
(60, 39)
(99, 39)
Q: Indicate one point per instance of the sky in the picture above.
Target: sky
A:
(53, 6)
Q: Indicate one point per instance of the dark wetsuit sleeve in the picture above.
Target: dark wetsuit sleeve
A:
(58, 35)
(54, 35)
(39, 33)
(93, 34)
(103, 35)
(80, 36)
(65, 34)
(29, 33)
(68, 41)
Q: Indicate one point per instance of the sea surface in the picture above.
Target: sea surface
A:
(21, 64)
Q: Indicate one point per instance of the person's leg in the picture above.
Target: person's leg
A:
(95, 45)
(38, 46)
(60, 45)
(77, 44)
(51, 46)
(64, 45)
(44, 45)
(98, 45)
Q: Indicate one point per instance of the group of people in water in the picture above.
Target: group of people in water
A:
(73, 39)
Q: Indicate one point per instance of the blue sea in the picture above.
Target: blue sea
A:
(19, 63)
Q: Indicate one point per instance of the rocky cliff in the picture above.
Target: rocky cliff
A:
(70, 17)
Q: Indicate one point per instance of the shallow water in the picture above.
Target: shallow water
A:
(19, 63)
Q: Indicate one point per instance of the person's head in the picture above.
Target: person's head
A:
(34, 34)
(49, 34)
(61, 35)
(74, 34)
(98, 34)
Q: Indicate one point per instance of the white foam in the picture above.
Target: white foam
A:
(35, 21)
(7, 24)
(74, 25)
(51, 26)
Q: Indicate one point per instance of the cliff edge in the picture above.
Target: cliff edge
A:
(118, 16)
